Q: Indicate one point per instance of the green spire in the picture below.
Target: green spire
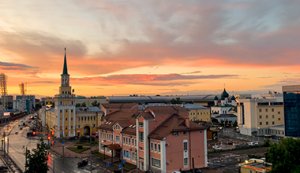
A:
(65, 69)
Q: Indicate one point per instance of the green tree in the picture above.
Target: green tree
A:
(36, 160)
(176, 101)
(284, 156)
(95, 103)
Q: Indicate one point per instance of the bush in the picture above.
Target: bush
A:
(79, 147)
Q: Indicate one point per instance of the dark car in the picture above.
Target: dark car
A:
(82, 163)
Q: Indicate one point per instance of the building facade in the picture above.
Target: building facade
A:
(63, 119)
(160, 139)
(291, 99)
(256, 116)
(198, 112)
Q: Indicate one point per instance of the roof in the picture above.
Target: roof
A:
(194, 106)
(226, 116)
(88, 109)
(65, 68)
(119, 105)
(160, 99)
(216, 98)
(125, 118)
(174, 123)
(224, 94)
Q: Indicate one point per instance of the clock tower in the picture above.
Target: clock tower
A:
(65, 105)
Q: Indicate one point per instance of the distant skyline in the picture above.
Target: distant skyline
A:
(117, 47)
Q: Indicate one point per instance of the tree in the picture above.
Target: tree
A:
(36, 160)
(176, 101)
(95, 103)
(284, 156)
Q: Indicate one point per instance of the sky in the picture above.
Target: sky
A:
(122, 47)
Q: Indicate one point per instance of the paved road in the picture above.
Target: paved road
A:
(18, 142)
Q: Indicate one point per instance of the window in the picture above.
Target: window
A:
(78, 126)
(273, 116)
(266, 109)
(156, 163)
(267, 123)
(117, 138)
(278, 112)
(273, 123)
(158, 146)
(66, 119)
(185, 161)
(141, 136)
(272, 109)
(260, 123)
(141, 124)
(260, 117)
(60, 111)
(278, 119)
(72, 109)
(155, 147)
(185, 145)
(175, 133)
(151, 146)
(126, 154)
(259, 110)
(267, 116)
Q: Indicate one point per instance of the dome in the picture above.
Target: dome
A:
(224, 94)
(216, 98)
(232, 98)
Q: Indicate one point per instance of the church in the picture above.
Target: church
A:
(65, 119)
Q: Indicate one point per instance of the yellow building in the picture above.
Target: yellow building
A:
(198, 112)
(63, 119)
(88, 119)
(255, 166)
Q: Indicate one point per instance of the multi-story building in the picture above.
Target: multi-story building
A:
(63, 119)
(291, 96)
(256, 116)
(198, 112)
(25, 103)
(159, 138)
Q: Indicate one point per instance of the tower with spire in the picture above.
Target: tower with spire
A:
(65, 105)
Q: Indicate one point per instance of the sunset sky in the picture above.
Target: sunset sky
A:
(121, 47)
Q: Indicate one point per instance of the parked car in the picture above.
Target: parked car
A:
(82, 163)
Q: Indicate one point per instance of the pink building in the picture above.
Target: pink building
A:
(159, 138)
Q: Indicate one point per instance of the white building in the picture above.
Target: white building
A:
(225, 105)
(256, 116)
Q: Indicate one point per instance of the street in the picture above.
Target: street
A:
(18, 142)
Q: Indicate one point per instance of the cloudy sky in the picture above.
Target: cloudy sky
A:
(119, 47)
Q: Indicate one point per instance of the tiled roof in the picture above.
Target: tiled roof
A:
(120, 106)
(174, 123)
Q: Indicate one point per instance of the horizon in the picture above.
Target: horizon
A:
(150, 48)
